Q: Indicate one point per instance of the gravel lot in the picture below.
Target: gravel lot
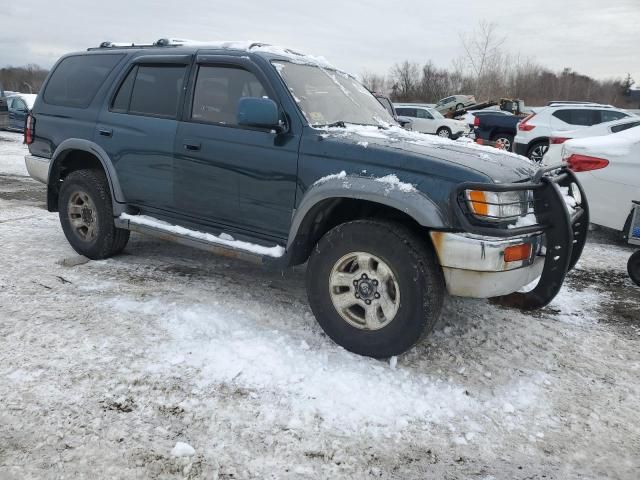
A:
(105, 365)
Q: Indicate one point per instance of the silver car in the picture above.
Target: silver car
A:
(455, 102)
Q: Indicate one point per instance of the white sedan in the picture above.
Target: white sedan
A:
(558, 137)
(428, 120)
(609, 169)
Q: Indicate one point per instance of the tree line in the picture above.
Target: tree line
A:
(26, 79)
(485, 69)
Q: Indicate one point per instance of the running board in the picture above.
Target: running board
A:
(224, 245)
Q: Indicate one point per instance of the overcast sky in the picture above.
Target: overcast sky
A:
(595, 37)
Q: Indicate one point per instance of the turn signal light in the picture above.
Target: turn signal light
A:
(558, 140)
(478, 202)
(517, 253)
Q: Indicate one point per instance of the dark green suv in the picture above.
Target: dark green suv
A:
(261, 152)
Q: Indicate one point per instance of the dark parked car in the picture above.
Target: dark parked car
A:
(4, 110)
(264, 153)
(19, 105)
(496, 128)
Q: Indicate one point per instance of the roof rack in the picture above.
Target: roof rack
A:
(556, 103)
(180, 42)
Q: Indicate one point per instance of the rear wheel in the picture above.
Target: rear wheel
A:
(633, 267)
(374, 287)
(86, 215)
(503, 141)
(537, 151)
(459, 106)
(444, 132)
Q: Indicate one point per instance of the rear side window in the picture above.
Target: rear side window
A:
(407, 112)
(424, 114)
(624, 126)
(579, 116)
(218, 91)
(156, 90)
(76, 80)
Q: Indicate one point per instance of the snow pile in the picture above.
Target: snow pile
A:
(569, 200)
(224, 239)
(394, 182)
(182, 449)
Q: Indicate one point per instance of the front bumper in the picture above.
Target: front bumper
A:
(474, 266)
(38, 167)
(473, 261)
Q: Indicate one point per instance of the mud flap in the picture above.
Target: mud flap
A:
(565, 240)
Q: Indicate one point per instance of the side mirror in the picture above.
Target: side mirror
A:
(258, 112)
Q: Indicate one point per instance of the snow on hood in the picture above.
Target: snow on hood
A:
(393, 133)
(615, 145)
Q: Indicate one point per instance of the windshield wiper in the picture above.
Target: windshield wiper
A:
(339, 123)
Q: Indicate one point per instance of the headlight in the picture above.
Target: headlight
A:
(499, 206)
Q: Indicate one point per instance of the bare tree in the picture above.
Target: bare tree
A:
(405, 77)
(374, 82)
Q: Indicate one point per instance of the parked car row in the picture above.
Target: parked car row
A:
(429, 120)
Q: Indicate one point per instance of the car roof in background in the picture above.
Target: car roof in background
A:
(29, 98)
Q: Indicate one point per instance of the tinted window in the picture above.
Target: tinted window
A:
(611, 115)
(121, 101)
(76, 79)
(624, 126)
(407, 112)
(578, 116)
(218, 90)
(157, 89)
(424, 114)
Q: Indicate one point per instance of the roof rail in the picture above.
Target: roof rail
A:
(578, 104)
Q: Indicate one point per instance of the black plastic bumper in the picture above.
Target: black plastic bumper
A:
(520, 148)
(565, 233)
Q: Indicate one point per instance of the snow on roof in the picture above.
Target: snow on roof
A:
(29, 98)
(614, 145)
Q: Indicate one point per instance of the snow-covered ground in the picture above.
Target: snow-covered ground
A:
(167, 362)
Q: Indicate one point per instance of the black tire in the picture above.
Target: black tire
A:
(444, 132)
(107, 239)
(633, 267)
(504, 139)
(412, 262)
(536, 149)
(459, 106)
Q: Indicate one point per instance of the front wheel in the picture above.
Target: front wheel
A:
(633, 267)
(374, 287)
(86, 215)
(444, 132)
(459, 107)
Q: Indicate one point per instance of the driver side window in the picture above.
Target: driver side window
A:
(218, 91)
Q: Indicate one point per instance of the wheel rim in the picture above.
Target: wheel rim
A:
(82, 216)
(443, 133)
(538, 152)
(364, 291)
(503, 143)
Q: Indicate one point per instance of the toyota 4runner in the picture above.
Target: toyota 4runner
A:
(269, 154)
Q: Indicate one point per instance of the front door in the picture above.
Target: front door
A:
(237, 178)
(138, 130)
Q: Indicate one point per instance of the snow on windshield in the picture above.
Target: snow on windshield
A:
(327, 96)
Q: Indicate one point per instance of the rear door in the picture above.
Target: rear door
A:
(226, 174)
(138, 128)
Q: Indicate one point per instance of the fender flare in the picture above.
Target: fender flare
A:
(413, 203)
(78, 144)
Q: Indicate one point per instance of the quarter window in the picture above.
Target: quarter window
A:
(611, 115)
(76, 79)
(218, 91)
(624, 126)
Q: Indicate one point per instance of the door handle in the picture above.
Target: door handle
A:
(193, 147)
(105, 132)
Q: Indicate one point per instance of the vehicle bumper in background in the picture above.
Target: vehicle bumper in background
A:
(38, 167)
(475, 266)
(520, 148)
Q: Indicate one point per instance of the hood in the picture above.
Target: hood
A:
(496, 165)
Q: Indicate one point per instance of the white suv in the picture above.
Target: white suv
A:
(534, 131)
(428, 120)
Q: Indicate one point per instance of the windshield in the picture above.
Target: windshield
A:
(436, 114)
(327, 97)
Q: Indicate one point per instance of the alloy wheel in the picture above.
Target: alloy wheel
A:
(82, 216)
